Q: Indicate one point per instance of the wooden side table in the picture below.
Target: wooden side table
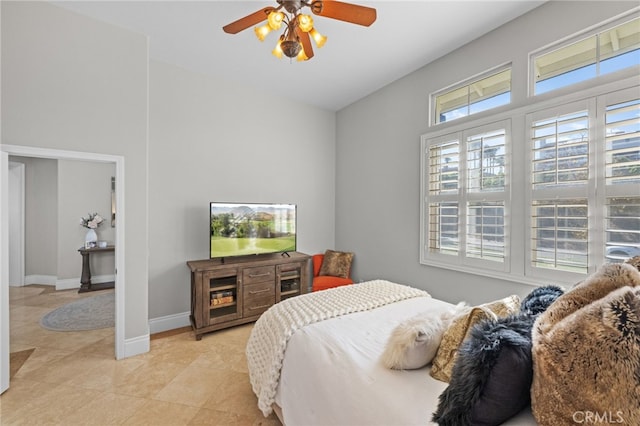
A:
(85, 278)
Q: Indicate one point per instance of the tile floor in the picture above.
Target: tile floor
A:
(72, 378)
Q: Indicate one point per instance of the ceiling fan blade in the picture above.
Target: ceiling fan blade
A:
(248, 21)
(348, 12)
(306, 42)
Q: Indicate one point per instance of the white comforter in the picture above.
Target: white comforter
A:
(270, 335)
(331, 373)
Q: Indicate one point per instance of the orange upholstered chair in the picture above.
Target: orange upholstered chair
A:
(333, 273)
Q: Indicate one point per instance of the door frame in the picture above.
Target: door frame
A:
(16, 230)
(26, 151)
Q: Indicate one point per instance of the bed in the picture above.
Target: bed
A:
(315, 359)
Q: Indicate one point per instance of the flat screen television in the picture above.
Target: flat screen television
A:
(240, 229)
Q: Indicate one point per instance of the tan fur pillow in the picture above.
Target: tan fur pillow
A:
(586, 351)
(414, 342)
(461, 326)
(336, 264)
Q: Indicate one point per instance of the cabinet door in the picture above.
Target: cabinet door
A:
(289, 279)
(222, 295)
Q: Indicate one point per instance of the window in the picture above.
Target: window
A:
(560, 235)
(491, 90)
(467, 180)
(560, 149)
(622, 176)
(559, 188)
(604, 52)
(585, 155)
(570, 204)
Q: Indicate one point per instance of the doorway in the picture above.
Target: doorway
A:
(25, 151)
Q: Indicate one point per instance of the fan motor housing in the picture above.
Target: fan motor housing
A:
(291, 6)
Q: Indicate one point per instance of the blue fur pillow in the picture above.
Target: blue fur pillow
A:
(491, 378)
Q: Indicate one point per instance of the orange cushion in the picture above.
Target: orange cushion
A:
(325, 282)
(317, 263)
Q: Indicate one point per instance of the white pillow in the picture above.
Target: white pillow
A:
(415, 341)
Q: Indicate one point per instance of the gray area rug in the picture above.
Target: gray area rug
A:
(89, 313)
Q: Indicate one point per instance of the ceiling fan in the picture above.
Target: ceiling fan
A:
(295, 41)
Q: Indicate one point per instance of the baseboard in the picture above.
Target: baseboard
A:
(137, 345)
(71, 283)
(40, 279)
(169, 322)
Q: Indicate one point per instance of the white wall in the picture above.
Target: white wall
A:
(73, 83)
(378, 161)
(215, 141)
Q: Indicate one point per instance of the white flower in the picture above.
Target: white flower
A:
(92, 222)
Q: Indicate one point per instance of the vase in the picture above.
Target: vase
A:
(90, 239)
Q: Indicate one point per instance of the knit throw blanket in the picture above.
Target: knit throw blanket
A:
(268, 340)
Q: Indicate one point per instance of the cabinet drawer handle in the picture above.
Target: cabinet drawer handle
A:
(259, 291)
(255, 308)
(259, 275)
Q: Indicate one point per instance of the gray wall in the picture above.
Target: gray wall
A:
(378, 161)
(72, 83)
(57, 195)
(83, 188)
(41, 215)
(216, 141)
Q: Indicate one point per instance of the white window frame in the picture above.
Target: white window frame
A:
(575, 38)
(467, 83)
(463, 196)
(517, 211)
(586, 191)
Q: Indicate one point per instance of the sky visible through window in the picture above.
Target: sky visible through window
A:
(607, 66)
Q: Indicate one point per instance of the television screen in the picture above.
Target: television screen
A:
(238, 229)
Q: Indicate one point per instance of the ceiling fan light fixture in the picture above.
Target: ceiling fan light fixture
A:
(299, 27)
(290, 48)
(277, 51)
(305, 23)
(262, 31)
(302, 56)
(317, 37)
(275, 20)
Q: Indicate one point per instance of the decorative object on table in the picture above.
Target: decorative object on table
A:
(91, 223)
